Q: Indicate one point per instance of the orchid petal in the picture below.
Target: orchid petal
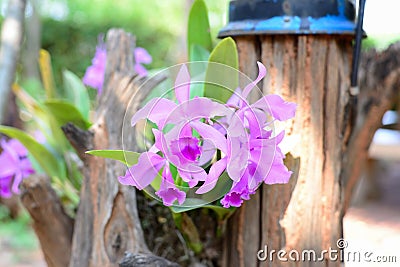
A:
(212, 178)
(142, 56)
(208, 132)
(8, 165)
(15, 145)
(5, 187)
(207, 152)
(238, 193)
(278, 108)
(236, 99)
(186, 148)
(279, 174)
(161, 145)
(17, 180)
(262, 71)
(168, 192)
(143, 173)
(238, 158)
(140, 70)
(182, 84)
(192, 174)
(156, 110)
(199, 107)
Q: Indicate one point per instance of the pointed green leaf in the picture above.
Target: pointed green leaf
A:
(77, 93)
(47, 161)
(46, 72)
(199, 27)
(222, 79)
(222, 187)
(65, 112)
(129, 158)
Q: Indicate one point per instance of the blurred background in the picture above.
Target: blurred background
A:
(69, 30)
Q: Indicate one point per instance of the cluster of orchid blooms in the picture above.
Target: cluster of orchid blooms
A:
(200, 139)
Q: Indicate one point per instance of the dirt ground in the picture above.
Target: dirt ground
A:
(371, 229)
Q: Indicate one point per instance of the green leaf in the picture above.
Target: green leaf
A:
(129, 158)
(196, 89)
(222, 187)
(199, 27)
(34, 88)
(77, 93)
(46, 72)
(47, 161)
(46, 122)
(65, 112)
(189, 204)
(198, 53)
(222, 80)
(222, 213)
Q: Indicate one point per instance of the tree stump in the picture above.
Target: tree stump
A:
(314, 72)
(107, 223)
(327, 141)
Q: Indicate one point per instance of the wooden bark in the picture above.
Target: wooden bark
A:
(11, 39)
(145, 260)
(314, 72)
(107, 223)
(52, 225)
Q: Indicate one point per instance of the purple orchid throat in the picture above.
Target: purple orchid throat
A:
(14, 167)
(202, 134)
(94, 75)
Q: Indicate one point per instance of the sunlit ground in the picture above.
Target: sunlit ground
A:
(372, 224)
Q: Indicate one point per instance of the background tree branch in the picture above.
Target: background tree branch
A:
(379, 84)
(52, 225)
(11, 39)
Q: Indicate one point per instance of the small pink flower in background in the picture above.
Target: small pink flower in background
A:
(14, 167)
(94, 75)
(141, 57)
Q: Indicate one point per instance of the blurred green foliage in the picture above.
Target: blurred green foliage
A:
(72, 41)
(71, 33)
(17, 232)
(380, 42)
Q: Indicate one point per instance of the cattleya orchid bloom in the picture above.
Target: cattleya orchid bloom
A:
(178, 147)
(197, 129)
(15, 166)
(94, 75)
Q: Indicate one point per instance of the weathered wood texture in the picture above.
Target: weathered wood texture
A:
(107, 223)
(314, 72)
(52, 225)
(145, 260)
